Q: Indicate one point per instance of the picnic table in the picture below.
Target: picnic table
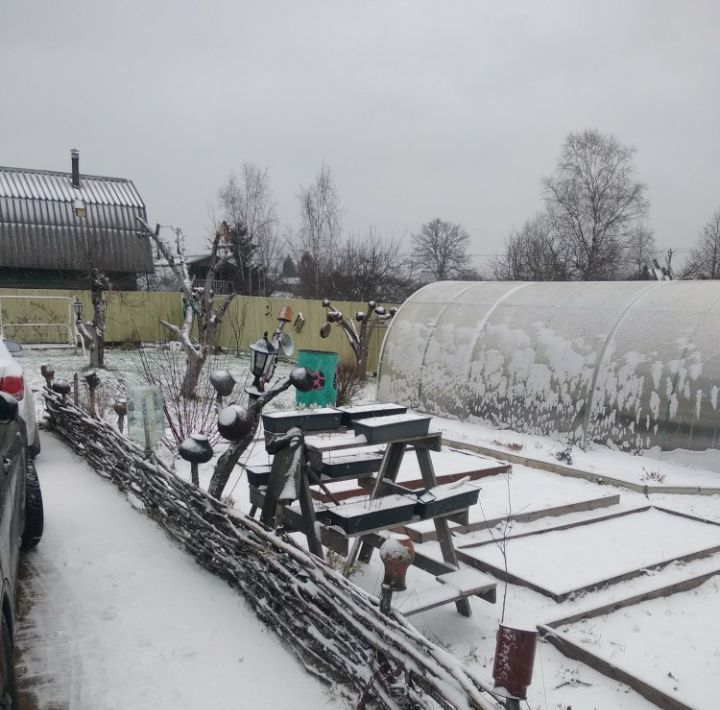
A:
(321, 448)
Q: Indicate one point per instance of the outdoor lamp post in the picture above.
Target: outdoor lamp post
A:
(78, 306)
(262, 363)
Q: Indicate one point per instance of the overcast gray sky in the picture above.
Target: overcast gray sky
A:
(421, 109)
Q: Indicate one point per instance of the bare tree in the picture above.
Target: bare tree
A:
(93, 332)
(319, 234)
(198, 305)
(594, 202)
(704, 259)
(367, 267)
(640, 252)
(532, 253)
(247, 206)
(440, 250)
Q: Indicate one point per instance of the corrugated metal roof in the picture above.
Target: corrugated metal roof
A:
(51, 185)
(39, 228)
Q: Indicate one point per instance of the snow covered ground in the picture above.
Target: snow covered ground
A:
(68, 554)
(117, 616)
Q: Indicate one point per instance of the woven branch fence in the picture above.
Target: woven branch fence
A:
(334, 628)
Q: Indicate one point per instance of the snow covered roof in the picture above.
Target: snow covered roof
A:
(631, 364)
(39, 227)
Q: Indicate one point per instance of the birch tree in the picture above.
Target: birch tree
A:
(594, 202)
(247, 206)
(319, 234)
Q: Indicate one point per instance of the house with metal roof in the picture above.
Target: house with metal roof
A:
(54, 225)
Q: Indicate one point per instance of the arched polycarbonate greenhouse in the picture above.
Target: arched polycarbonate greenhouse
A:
(631, 364)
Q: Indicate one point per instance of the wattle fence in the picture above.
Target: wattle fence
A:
(335, 629)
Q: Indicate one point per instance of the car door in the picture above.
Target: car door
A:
(12, 472)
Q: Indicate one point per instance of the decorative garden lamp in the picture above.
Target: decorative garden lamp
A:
(78, 306)
(262, 364)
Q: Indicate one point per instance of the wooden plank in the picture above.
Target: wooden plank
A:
(329, 537)
(431, 565)
(564, 526)
(473, 475)
(572, 650)
(421, 536)
(664, 591)
(562, 596)
(441, 524)
(579, 473)
(428, 599)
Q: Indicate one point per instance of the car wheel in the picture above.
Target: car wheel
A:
(8, 691)
(34, 448)
(34, 516)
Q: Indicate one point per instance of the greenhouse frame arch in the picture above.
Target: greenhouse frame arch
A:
(634, 365)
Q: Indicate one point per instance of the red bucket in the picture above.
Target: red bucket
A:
(514, 659)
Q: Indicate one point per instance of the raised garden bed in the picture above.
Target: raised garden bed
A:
(380, 430)
(305, 419)
(363, 516)
(443, 500)
(258, 474)
(586, 555)
(663, 643)
(351, 465)
(365, 411)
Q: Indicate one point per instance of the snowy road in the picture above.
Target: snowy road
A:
(119, 617)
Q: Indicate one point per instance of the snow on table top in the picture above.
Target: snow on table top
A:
(564, 560)
(637, 639)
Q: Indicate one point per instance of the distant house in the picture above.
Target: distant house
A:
(226, 279)
(54, 224)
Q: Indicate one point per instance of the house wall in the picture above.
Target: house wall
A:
(75, 280)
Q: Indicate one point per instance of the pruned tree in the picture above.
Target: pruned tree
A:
(199, 309)
(594, 202)
(93, 331)
(359, 340)
(317, 240)
(247, 206)
(440, 250)
(704, 259)
(532, 253)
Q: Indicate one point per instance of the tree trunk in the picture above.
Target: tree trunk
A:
(227, 462)
(192, 373)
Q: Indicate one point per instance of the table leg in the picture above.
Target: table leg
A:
(388, 470)
(441, 525)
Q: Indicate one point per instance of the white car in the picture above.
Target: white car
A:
(12, 382)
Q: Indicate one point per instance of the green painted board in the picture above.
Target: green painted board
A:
(324, 393)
